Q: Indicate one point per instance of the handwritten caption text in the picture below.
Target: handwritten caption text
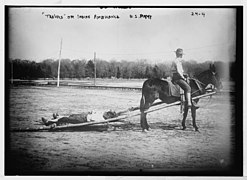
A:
(95, 16)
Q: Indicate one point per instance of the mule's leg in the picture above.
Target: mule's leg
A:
(142, 109)
(193, 114)
(145, 104)
(143, 119)
(144, 123)
(186, 109)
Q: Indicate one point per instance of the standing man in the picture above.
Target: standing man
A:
(179, 77)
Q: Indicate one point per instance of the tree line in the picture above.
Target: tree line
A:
(26, 69)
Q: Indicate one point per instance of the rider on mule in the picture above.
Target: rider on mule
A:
(179, 77)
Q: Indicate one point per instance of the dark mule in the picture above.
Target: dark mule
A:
(155, 88)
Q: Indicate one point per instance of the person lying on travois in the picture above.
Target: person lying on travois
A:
(93, 116)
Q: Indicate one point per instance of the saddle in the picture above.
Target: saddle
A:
(176, 91)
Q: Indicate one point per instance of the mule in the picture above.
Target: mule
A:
(155, 88)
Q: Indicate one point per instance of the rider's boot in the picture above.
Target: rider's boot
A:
(190, 102)
(188, 99)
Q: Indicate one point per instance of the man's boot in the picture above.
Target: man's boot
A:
(188, 99)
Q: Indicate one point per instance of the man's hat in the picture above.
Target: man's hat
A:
(179, 51)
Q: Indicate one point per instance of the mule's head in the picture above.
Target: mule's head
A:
(213, 78)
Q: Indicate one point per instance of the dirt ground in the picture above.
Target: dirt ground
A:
(123, 147)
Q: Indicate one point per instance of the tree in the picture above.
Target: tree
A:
(65, 68)
(47, 68)
(112, 69)
(82, 68)
(118, 72)
(25, 69)
(90, 69)
(148, 72)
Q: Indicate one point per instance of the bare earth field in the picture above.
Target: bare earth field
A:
(123, 147)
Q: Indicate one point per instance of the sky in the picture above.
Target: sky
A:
(205, 34)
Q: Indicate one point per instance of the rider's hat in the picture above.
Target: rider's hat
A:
(179, 51)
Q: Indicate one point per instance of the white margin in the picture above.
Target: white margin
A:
(127, 3)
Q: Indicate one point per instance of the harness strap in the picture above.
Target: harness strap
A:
(197, 82)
